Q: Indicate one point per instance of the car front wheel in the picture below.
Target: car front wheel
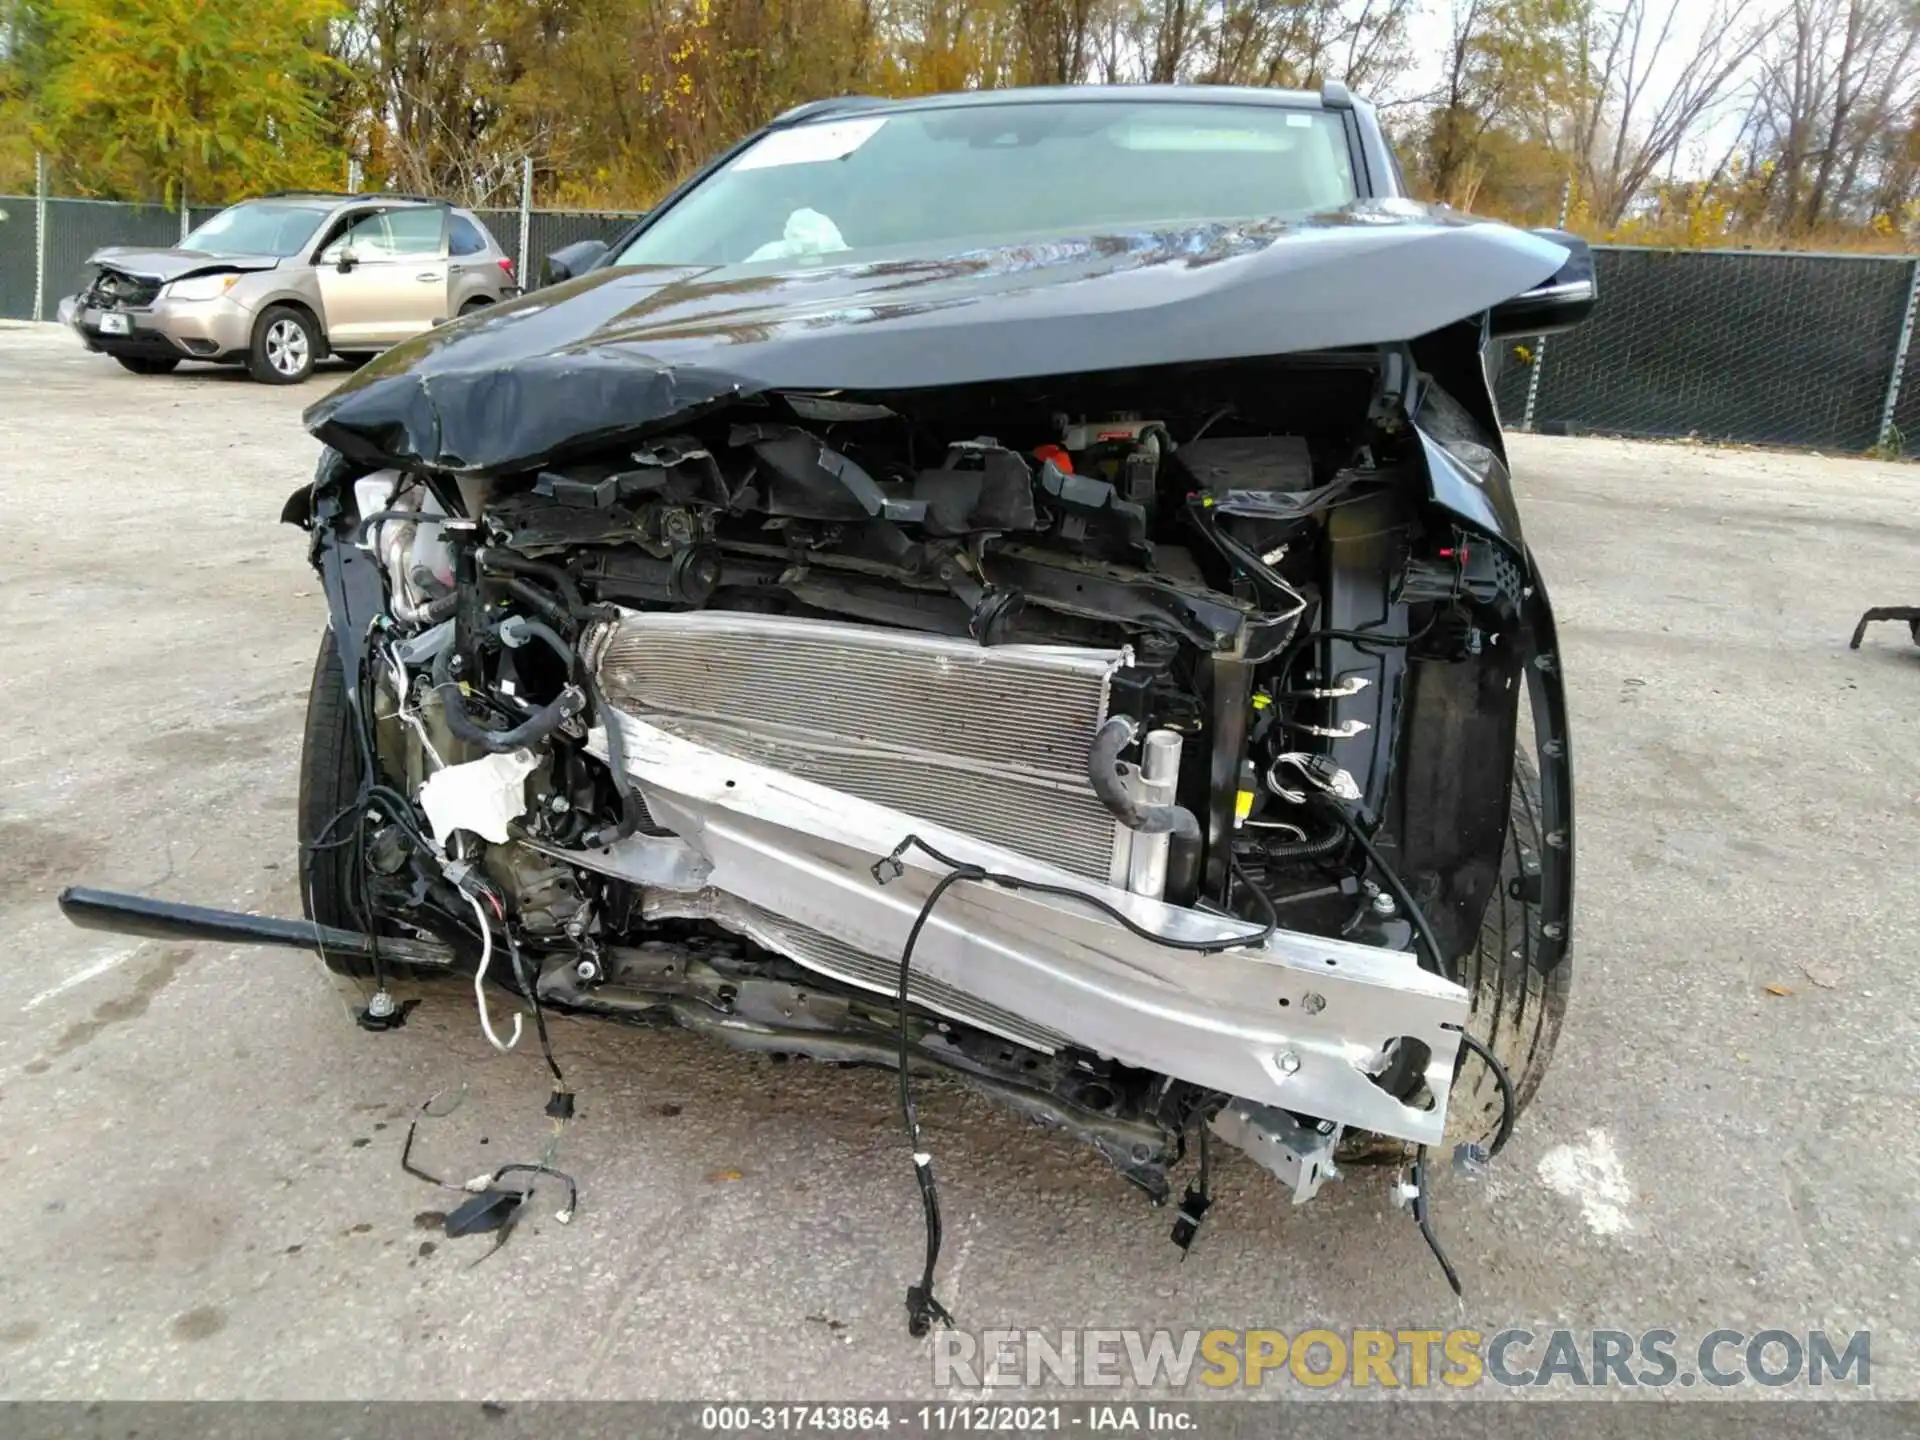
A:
(332, 885)
(286, 343)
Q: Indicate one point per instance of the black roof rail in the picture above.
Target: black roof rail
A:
(351, 195)
(1335, 95)
(813, 108)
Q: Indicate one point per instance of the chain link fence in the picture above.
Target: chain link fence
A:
(1759, 348)
(1748, 347)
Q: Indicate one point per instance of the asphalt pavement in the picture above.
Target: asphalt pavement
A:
(203, 1197)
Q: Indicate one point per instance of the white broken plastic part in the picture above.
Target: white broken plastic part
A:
(481, 796)
(371, 494)
(807, 232)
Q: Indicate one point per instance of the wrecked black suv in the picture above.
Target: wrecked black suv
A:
(1019, 585)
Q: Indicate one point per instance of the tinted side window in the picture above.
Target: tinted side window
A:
(415, 232)
(388, 235)
(366, 236)
(465, 237)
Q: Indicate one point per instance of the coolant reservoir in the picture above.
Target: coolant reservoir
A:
(432, 556)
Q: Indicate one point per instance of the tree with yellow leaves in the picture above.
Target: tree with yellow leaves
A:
(213, 98)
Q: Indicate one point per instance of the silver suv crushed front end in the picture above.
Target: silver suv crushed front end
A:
(278, 284)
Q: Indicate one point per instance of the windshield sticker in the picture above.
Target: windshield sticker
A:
(807, 144)
(1161, 138)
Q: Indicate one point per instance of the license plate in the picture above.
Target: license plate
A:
(112, 324)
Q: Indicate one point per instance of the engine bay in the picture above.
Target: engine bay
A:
(1211, 550)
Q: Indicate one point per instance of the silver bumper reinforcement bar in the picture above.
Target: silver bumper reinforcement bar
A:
(1299, 1023)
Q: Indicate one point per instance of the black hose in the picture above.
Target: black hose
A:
(1269, 915)
(1391, 878)
(434, 611)
(542, 723)
(1300, 644)
(516, 630)
(415, 516)
(1104, 774)
(629, 820)
(1509, 1102)
(883, 870)
(922, 1308)
(1423, 1217)
(538, 601)
(530, 987)
(504, 562)
(1304, 849)
(1236, 553)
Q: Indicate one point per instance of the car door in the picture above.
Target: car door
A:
(384, 277)
(477, 271)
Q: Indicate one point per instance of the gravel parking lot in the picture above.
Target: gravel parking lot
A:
(203, 1197)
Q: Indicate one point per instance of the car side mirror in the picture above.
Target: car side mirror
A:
(571, 260)
(1560, 302)
(344, 262)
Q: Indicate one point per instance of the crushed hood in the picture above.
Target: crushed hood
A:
(165, 265)
(621, 350)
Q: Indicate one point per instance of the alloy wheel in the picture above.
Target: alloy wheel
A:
(287, 348)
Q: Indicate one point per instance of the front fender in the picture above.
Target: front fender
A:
(1458, 428)
(1468, 479)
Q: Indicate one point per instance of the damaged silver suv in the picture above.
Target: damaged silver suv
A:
(1022, 586)
(279, 283)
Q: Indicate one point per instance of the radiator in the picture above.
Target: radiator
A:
(990, 741)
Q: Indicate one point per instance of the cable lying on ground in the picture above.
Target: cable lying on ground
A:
(923, 1309)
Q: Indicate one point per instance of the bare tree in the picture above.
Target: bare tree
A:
(1056, 40)
(1630, 112)
(1835, 77)
(1505, 58)
(1170, 30)
(1376, 48)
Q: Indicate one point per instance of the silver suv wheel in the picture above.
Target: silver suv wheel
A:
(286, 343)
(287, 349)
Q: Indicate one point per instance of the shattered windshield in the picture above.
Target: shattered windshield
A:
(926, 181)
(256, 229)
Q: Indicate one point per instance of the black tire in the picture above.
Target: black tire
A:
(1517, 1010)
(148, 364)
(329, 782)
(473, 307)
(286, 346)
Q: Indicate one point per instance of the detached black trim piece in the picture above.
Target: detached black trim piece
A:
(1547, 692)
(169, 920)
